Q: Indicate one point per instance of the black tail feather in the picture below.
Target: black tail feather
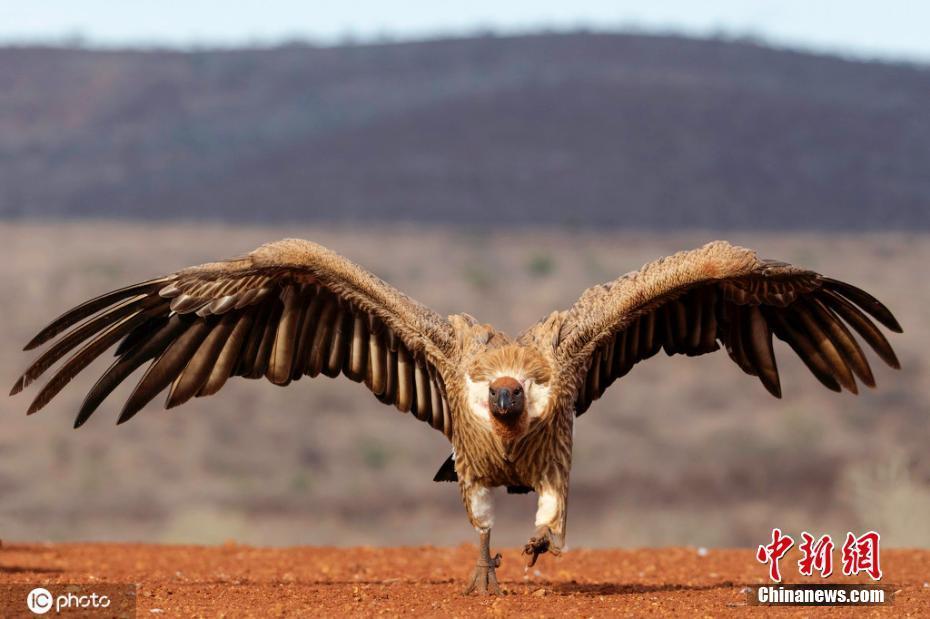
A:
(447, 471)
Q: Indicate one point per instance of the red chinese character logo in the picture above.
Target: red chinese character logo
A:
(772, 553)
(860, 554)
(817, 555)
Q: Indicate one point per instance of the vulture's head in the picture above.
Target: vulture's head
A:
(506, 399)
(508, 389)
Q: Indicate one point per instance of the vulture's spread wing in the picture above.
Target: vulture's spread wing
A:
(688, 302)
(288, 309)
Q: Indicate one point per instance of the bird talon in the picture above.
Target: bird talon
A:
(535, 547)
(495, 561)
(539, 544)
(484, 579)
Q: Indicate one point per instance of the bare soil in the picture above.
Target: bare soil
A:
(237, 580)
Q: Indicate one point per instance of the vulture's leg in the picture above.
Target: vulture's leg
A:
(480, 508)
(550, 526)
(484, 578)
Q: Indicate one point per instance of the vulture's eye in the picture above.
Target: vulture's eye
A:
(493, 391)
(517, 391)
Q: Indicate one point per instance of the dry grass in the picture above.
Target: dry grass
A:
(682, 451)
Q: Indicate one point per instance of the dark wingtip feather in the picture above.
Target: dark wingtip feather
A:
(126, 365)
(867, 302)
(856, 318)
(127, 414)
(757, 342)
(41, 337)
(88, 407)
(136, 402)
(773, 388)
(18, 386)
(93, 306)
(162, 371)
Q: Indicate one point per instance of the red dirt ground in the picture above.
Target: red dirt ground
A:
(234, 580)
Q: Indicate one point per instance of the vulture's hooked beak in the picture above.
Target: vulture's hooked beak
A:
(506, 402)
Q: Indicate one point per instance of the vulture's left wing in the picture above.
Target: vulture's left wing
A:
(286, 310)
(688, 302)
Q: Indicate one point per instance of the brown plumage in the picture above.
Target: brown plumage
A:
(292, 308)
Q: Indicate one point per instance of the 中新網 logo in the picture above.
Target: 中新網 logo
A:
(859, 554)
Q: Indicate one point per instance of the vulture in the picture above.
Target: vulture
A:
(507, 405)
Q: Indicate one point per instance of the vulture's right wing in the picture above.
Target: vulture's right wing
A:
(688, 302)
(286, 310)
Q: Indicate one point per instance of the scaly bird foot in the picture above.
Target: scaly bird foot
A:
(540, 543)
(484, 578)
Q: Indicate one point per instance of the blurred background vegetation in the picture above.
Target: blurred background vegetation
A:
(499, 176)
(682, 451)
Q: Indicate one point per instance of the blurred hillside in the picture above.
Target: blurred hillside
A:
(680, 451)
(578, 129)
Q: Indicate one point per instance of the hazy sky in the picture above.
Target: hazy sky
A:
(883, 28)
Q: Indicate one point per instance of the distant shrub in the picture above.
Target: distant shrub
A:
(478, 276)
(374, 454)
(540, 265)
(300, 482)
